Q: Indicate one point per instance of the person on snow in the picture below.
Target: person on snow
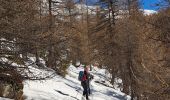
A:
(85, 77)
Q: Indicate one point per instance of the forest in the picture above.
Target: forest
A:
(115, 34)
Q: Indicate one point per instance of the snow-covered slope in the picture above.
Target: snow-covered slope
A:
(149, 12)
(69, 88)
(4, 98)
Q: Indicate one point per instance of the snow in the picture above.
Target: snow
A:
(69, 88)
(4, 98)
(83, 8)
(149, 12)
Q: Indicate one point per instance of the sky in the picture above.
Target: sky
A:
(145, 4)
(150, 4)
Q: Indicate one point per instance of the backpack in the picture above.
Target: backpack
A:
(80, 77)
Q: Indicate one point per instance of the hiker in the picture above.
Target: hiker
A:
(85, 77)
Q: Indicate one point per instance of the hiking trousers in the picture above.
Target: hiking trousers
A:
(86, 89)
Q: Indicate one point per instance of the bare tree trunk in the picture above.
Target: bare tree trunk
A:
(50, 61)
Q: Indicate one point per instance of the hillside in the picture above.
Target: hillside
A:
(69, 88)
